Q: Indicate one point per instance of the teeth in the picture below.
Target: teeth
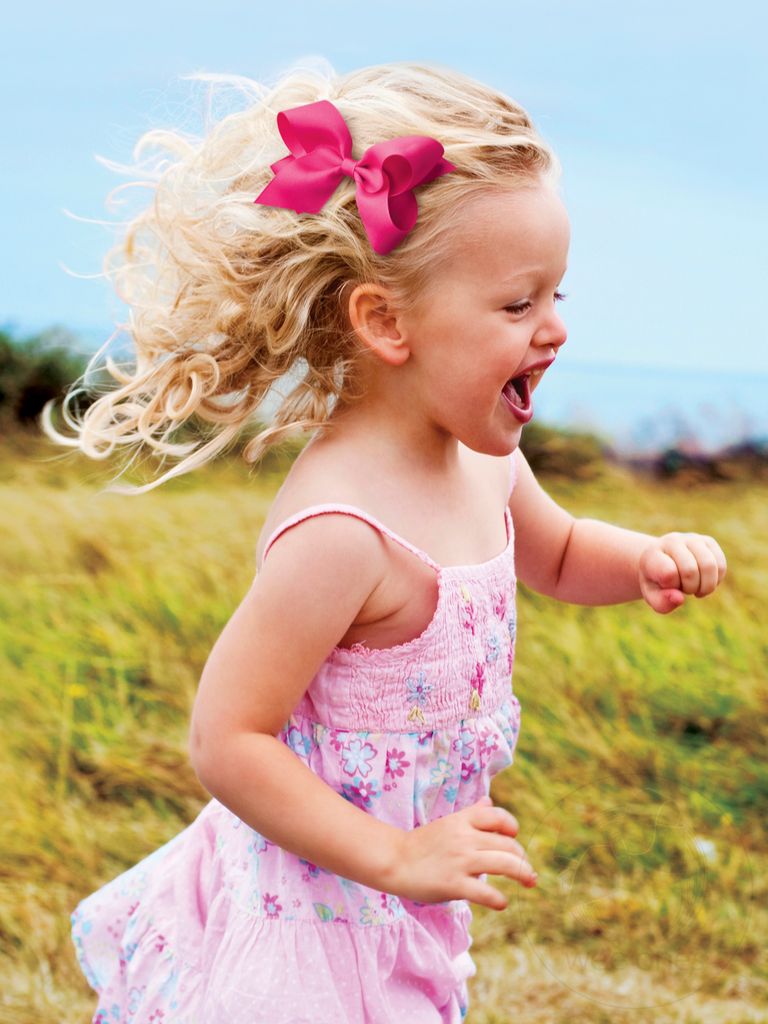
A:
(533, 374)
(530, 373)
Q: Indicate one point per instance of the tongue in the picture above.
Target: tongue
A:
(511, 393)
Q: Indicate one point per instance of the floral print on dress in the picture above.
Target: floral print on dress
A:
(323, 911)
(271, 907)
(477, 682)
(361, 793)
(395, 767)
(299, 742)
(417, 693)
(469, 611)
(312, 870)
(135, 997)
(487, 745)
(357, 755)
(441, 772)
(418, 689)
(383, 910)
(464, 745)
(500, 601)
(493, 648)
(258, 844)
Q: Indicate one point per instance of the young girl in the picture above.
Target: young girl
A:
(396, 234)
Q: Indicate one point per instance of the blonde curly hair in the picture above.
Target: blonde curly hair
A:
(227, 297)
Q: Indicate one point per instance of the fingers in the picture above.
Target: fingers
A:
(479, 891)
(491, 841)
(719, 558)
(663, 601)
(484, 894)
(682, 563)
(672, 566)
(493, 819)
(660, 580)
(498, 862)
(700, 563)
(508, 844)
(518, 849)
(500, 855)
(707, 566)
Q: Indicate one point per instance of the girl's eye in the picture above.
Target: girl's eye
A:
(523, 307)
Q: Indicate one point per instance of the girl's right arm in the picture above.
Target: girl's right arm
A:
(301, 603)
(311, 586)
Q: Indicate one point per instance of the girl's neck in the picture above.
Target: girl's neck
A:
(394, 437)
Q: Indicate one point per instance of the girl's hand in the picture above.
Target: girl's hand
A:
(443, 859)
(678, 564)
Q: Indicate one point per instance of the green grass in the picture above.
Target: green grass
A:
(643, 740)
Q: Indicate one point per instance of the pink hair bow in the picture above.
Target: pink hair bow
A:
(385, 175)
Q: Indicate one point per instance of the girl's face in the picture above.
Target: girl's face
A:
(490, 313)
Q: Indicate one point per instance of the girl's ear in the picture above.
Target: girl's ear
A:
(377, 324)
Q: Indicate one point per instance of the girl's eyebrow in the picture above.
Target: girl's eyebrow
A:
(528, 271)
(519, 274)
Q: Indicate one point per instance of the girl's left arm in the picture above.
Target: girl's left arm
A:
(586, 561)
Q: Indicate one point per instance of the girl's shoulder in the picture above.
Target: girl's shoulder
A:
(322, 476)
(311, 481)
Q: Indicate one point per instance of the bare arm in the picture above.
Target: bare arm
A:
(311, 587)
(268, 786)
(582, 561)
(600, 564)
(586, 561)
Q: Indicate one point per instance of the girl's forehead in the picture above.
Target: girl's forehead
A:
(527, 225)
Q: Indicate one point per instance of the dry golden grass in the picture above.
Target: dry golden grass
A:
(640, 780)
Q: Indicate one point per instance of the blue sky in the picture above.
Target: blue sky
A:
(656, 109)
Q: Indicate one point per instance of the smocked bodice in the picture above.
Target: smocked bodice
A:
(458, 668)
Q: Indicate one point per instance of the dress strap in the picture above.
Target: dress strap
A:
(351, 510)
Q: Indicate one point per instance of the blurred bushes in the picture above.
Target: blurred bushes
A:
(564, 452)
(585, 456)
(34, 370)
(745, 461)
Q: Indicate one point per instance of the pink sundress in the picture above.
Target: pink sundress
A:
(221, 926)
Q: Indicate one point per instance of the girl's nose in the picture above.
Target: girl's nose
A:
(553, 333)
(562, 334)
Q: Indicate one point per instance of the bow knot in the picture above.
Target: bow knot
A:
(348, 165)
(385, 176)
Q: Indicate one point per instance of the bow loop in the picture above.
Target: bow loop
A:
(321, 155)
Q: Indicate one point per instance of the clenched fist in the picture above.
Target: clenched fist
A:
(677, 564)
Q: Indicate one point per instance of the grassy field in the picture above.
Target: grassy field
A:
(640, 780)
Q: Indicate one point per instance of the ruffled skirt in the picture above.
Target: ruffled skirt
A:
(189, 936)
(221, 926)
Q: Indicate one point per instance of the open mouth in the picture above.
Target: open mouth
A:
(517, 390)
(517, 395)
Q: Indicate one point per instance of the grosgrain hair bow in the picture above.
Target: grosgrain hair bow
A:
(385, 175)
